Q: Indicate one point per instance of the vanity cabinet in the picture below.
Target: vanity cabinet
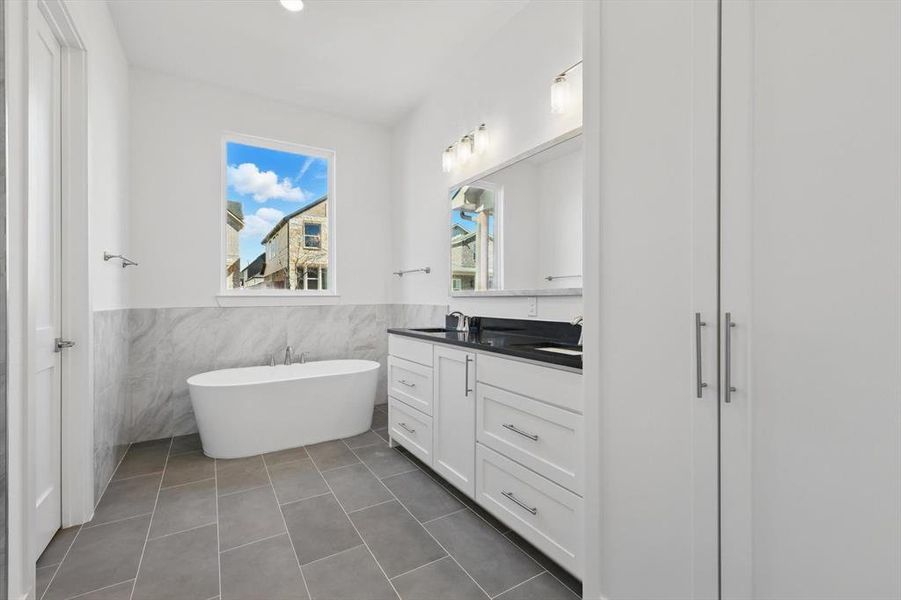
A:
(507, 432)
(455, 417)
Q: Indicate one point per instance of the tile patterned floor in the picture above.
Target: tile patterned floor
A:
(347, 519)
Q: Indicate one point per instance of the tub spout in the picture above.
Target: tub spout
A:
(289, 358)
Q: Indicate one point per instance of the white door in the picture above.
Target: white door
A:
(811, 277)
(454, 418)
(44, 271)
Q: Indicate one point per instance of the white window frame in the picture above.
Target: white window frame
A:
(294, 148)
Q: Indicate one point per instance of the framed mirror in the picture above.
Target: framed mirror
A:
(516, 230)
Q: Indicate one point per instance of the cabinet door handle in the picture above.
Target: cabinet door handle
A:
(466, 382)
(515, 429)
(729, 388)
(406, 383)
(509, 496)
(699, 378)
(406, 428)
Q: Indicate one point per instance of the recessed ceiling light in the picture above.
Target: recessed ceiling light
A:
(292, 5)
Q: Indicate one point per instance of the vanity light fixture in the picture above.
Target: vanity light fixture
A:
(560, 94)
(464, 149)
(481, 139)
(448, 159)
(292, 5)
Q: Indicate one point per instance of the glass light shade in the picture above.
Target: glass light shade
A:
(292, 5)
(481, 139)
(559, 95)
(447, 159)
(464, 150)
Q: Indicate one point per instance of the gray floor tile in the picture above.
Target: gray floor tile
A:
(296, 480)
(100, 556)
(184, 507)
(121, 591)
(248, 516)
(442, 580)
(185, 443)
(351, 575)
(542, 559)
(471, 505)
(379, 419)
(367, 438)
(143, 458)
(127, 498)
(355, 487)
(329, 455)
(384, 461)
(397, 540)
(318, 528)
(493, 560)
(543, 587)
(240, 474)
(283, 456)
(186, 468)
(422, 495)
(266, 569)
(382, 432)
(184, 566)
(57, 547)
(43, 576)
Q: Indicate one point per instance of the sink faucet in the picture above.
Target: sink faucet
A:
(578, 321)
(303, 357)
(462, 320)
(289, 358)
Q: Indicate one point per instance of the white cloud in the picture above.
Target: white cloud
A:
(261, 222)
(306, 167)
(246, 178)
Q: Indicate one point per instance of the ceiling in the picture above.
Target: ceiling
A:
(371, 60)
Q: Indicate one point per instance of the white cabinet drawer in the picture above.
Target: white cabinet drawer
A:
(411, 429)
(544, 438)
(410, 349)
(410, 383)
(553, 386)
(542, 512)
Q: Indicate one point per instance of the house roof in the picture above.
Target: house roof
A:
(287, 218)
(256, 267)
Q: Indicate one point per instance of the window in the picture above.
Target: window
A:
(279, 219)
(474, 235)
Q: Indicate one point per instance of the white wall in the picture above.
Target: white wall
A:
(176, 203)
(506, 85)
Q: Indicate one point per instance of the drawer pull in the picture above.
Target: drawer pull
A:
(515, 429)
(404, 426)
(509, 496)
(406, 383)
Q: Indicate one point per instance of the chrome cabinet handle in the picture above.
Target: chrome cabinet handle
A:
(406, 428)
(466, 382)
(729, 388)
(699, 378)
(406, 383)
(509, 496)
(515, 429)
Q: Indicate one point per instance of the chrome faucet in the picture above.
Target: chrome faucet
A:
(303, 357)
(578, 321)
(462, 320)
(289, 358)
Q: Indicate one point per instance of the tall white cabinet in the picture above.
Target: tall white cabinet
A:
(781, 477)
(453, 437)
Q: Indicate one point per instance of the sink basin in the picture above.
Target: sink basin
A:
(434, 330)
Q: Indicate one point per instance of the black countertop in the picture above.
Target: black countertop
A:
(518, 342)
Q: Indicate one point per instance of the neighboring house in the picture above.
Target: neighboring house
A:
(253, 274)
(464, 258)
(297, 249)
(235, 221)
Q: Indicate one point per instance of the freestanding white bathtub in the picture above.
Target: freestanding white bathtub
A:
(252, 410)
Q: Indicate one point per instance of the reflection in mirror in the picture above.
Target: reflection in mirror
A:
(518, 230)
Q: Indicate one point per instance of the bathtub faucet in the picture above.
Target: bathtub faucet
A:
(303, 357)
(289, 358)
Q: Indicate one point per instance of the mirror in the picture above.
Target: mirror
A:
(517, 230)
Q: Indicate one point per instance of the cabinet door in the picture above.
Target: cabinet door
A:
(454, 418)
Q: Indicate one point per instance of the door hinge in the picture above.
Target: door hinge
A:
(61, 344)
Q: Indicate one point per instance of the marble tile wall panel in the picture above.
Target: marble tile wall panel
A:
(112, 418)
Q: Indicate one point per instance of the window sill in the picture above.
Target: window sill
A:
(275, 298)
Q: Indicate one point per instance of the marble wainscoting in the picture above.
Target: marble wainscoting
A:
(168, 345)
(112, 407)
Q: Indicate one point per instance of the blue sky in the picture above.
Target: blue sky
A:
(270, 184)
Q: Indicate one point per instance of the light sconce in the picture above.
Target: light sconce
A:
(459, 153)
(448, 158)
(292, 5)
(560, 93)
